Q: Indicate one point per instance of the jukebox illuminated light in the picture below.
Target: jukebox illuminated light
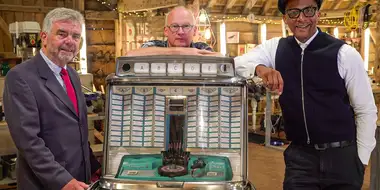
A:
(223, 48)
(367, 35)
(141, 68)
(83, 52)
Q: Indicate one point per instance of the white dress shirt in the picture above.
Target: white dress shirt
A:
(351, 69)
(55, 68)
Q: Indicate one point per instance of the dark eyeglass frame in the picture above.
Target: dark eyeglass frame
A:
(173, 29)
(301, 10)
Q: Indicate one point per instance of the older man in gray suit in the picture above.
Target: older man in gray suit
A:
(46, 111)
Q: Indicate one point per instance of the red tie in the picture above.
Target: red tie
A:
(69, 88)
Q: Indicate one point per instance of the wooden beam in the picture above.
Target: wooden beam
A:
(17, 2)
(324, 15)
(339, 13)
(267, 5)
(80, 5)
(101, 15)
(377, 46)
(230, 4)
(4, 28)
(118, 36)
(336, 4)
(258, 17)
(248, 6)
(211, 3)
(39, 3)
(20, 8)
(373, 37)
(182, 2)
(352, 4)
(195, 8)
(129, 6)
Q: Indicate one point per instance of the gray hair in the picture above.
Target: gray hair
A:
(63, 14)
(179, 7)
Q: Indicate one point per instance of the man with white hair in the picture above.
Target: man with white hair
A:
(46, 111)
(180, 30)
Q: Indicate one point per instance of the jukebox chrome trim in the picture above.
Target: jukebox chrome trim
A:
(241, 182)
(114, 184)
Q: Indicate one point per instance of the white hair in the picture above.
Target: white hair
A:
(61, 14)
(179, 7)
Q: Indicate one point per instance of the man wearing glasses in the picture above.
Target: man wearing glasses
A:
(179, 29)
(326, 100)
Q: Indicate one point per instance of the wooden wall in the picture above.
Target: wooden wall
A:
(100, 36)
(5, 37)
(249, 33)
(25, 10)
(29, 10)
(100, 33)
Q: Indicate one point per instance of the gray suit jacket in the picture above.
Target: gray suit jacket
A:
(52, 140)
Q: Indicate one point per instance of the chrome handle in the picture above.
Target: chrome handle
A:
(170, 184)
(93, 186)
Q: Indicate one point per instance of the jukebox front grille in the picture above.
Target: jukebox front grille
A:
(140, 118)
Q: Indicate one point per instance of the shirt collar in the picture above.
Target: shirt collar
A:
(304, 45)
(55, 68)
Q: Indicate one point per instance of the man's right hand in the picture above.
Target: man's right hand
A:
(271, 78)
(75, 185)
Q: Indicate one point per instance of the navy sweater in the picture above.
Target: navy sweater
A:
(326, 107)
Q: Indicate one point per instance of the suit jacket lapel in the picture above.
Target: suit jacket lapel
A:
(52, 83)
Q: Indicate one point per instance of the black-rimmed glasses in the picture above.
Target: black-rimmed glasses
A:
(307, 12)
(185, 28)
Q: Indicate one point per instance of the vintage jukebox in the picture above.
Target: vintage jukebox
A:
(175, 122)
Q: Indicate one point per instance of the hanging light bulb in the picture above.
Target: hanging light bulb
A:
(207, 33)
(202, 18)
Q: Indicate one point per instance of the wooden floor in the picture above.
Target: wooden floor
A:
(266, 168)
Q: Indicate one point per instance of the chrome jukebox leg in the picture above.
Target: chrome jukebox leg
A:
(268, 122)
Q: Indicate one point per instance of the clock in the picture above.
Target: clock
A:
(251, 17)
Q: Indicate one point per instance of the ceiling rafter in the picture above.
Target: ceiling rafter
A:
(266, 7)
(211, 3)
(248, 6)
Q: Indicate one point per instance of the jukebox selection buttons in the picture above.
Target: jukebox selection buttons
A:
(158, 68)
(175, 68)
(141, 68)
(209, 69)
(192, 68)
